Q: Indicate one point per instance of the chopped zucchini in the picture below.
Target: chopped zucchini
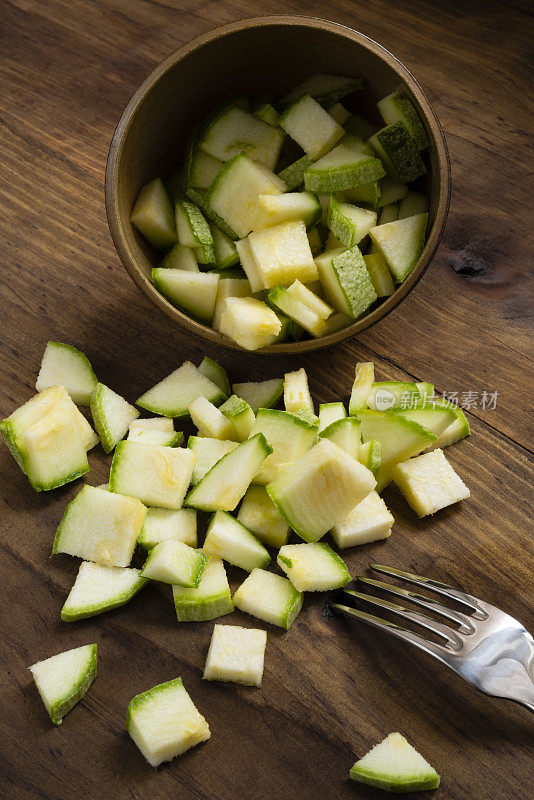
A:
(54, 451)
(380, 274)
(263, 394)
(413, 203)
(99, 589)
(342, 168)
(172, 561)
(397, 108)
(63, 680)
(316, 243)
(164, 722)
(371, 455)
(231, 287)
(192, 292)
(100, 526)
(391, 191)
(259, 514)
(394, 765)
(398, 152)
(346, 433)
(326, 89)
(172, 396)
(459, 429)
(153, 215)
(429, 483)
(401, 243)
(269, 597)
(224, 248)
(368, 522)
(217, 374)
(433, 417)
(161, 424)
(296, 310)
(209, 420)
(346, 281)
(112, 415)
(282, 254)
(321, 488)
(240, 415)
(66, 366)
(288, 436)
(267, 113)
(229, 539)
(330, 412)
(249, 264)
(313, 567)
(234, 193)
(201, 169)
(249, 322)
(400, 438)
(296, 391)
(180, 257)
(293, 175)
(337, 321)
(369, 193)
(236, 654)
(151, 435)
(158, 476)
(385, 395)
(235, 131)
(274, 209)
(211, 599)
(310, 298)
(311, 126)
(426, 390)
(339, 113)
(225, 484)
(364, 375)
(208, 452)
(194, 231)
(349, 223)
(166, 523)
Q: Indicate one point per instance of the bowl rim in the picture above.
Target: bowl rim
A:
(111, 179)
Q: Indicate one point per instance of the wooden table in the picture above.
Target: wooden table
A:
(330, 691)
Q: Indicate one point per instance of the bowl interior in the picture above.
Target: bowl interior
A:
(259, 57)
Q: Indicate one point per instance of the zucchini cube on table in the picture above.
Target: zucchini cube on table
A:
(66, 366)
(259, 514)
(394, 765)
(241, 416)
(168, 523)
(313, 567)
(207, 451)
(288, 436)
(112, 415)
(296, 392)
(369, 521)
(269, 597)
(172, 396)
(346, 433)
(236, 654)
(210, 420)
(228, 538)
(260, 394)
(100, 526)
(64, 679)
(211, 598)
(98, 589)
(174, 562)
(158, 476)
(164, 722)
(429, 483)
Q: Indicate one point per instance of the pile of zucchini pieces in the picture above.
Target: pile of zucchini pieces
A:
(257, 470)
(292, 221)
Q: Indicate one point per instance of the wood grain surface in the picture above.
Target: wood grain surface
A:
(67, 69)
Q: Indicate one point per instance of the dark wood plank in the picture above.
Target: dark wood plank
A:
(330, 691)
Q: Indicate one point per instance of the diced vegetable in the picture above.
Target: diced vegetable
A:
(209, 420)
(153, 215)
(342, 168)
(167, 523)
(267, 112)
(263, 394)
(66, 366)
(259, 514)
(99, 589)
(369, 521)
(63, 680)
(164, 722)
(194, 231)
(172, 561)
(296, 310)
(429, 483)
(398, 152)
(380, 274)
(192, 292)
(282, 254)
(310, 298)
(235, 131)
(311, 126)
(326, 89)
(208, 451)
(330, 412)
(112, 415)
(54, 452)
(274, 209)
(397, 108)
(201, 169)
(236, 654)
(364, 375)
(229, 539)
(394, 765)
(211, 599)
(401, 243)
(224, 247)
(217, 374)
(432, 416)
(346, 433)
(173, 395)
(240, 415)
(359, 126)
(414, 203)
(293, 175)
(456, 431)
(390, 191)
(100, 526)
(385, 395)
(339, 113)
(152, 435)
(313, 567)
(296, 392)
(348, 222)
(231, 287)
(400, 438)
(180, 257)
(269, 597)
(371, 455)
(346, 281)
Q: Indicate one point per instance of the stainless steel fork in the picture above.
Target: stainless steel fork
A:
(487, 647)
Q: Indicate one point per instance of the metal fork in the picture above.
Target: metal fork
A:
(488, 648)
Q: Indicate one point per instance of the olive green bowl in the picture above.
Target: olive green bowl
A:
(261, 55)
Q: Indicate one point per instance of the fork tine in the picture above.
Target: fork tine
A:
(420, 619)
(435, 586)
(465, 626)
(406, 635)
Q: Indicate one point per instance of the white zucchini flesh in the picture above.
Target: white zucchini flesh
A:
(326, 89)
(100, 526)
(261, 394)
(241, 416)
(236, 654)
(310, 298)
(172, 561)
(63, 680)
(414, 203)
(66, 366)
(193, 292)
(208, 451)
(249, 264)
(193, 230)
(112, 415)
(211, 599)
(380, 274)
(98, 589)
(153, 215)
(225, 484)
(313, 567)
(390, 191)
(153, 423)
(364, 376)
(54, 453)
(288, 436)
(339, 113)
(401, 243)
(394, 765)
(228, 539)
(237, 131)
(269, 597)
(180, 257)
(400, 438)
(369, 521)
(202, 169)
(249, 322)
(330, 412)
(172, 396)
(296, 310)
(259, 514)
(275, 209)
(433, 417)
(341, 169)
(371, 455)
(159, 430)
(429, 483)
(311, 126)
(230, 287)
(345, 433)
(320, 489)
(164, 722)
(296, 392)
(166, 523)
(216, 373)
(209, 420)
(155, 475)
(282, 254)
